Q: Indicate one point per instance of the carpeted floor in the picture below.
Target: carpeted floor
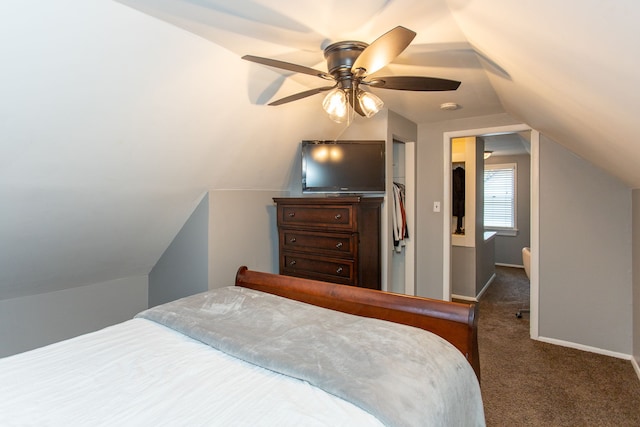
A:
(529, 383)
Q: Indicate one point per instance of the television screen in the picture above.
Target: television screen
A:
(343, 167)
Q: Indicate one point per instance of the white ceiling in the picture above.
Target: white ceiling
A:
(510, 144)
(117, 116)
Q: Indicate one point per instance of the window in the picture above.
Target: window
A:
(500, 198)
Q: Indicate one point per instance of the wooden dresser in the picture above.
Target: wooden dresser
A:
(334, 239)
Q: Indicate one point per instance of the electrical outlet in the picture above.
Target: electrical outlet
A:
(436, 206)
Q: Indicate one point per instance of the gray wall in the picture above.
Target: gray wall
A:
(242, 231)
(430, 182)
(585, 253)
(463, 271)
(37, 320)
(229, 228)
(182, 269)
(636, 278)
(509, 248)
(485, 263)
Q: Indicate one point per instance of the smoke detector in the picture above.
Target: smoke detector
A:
(449, 106)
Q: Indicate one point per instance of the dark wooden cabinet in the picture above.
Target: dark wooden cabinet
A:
(334, 239)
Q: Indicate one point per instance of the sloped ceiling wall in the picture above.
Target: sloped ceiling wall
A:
(113, 123)
(112, 126)
(573, 69)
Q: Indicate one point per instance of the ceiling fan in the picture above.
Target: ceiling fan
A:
(351, 65)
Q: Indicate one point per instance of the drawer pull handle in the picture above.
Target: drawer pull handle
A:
(292, 240)
(292, 214)
(292, 262)
(339, 245)
(339, 270)
(338, 216)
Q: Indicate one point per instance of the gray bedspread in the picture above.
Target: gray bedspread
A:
(402, 375)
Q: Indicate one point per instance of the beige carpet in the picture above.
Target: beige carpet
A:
(529, 383)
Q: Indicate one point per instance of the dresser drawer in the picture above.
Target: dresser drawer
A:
(318, 267)
(332, 244)
(340, 217)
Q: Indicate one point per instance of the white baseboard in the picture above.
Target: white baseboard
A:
(634, 362)
(502, 264)
(477, 297)
(486, 286)
(585, 348)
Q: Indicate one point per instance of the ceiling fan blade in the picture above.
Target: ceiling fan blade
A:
(288, 66)
(413, 83)
(382, 51)
(301, 95)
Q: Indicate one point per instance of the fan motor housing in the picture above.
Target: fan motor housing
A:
(341, 56)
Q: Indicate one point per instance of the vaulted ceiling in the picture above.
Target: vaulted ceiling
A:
(116, 116)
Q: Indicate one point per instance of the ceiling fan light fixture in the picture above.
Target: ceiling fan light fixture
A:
(335, 104)
(370, 104)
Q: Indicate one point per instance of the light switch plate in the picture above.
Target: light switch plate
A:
(436, 206)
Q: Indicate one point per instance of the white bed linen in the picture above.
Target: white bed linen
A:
(139, 373)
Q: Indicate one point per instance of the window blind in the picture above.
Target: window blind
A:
(500, 196)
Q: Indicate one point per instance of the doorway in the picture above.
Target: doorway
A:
(534, 213)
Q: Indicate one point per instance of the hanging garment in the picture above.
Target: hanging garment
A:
(458, 197)
(399, 217)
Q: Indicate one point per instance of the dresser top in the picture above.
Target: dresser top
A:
(307, 200)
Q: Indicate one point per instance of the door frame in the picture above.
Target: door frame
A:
(535, 212)
(410, 210)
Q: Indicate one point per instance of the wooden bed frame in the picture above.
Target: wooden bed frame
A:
(455, 322)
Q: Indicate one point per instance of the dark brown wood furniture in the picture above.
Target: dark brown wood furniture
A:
(455, 322)
(333, 239)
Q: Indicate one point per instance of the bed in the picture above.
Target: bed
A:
(271, 350)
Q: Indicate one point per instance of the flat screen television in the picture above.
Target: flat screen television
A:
(348, 167)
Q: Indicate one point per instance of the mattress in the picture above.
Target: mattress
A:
(141, 373)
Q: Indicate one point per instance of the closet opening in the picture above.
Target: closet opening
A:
(401, 277)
